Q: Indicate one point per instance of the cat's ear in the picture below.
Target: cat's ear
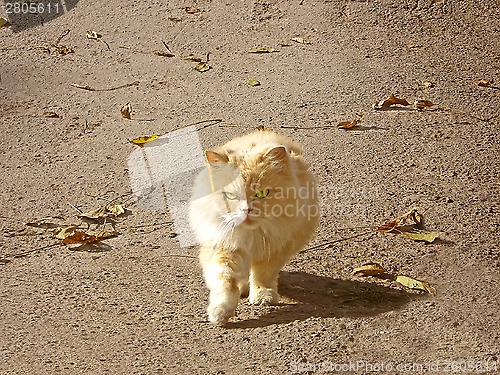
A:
(277, 153)
(214, 157)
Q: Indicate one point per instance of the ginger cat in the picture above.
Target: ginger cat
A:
(252, 209)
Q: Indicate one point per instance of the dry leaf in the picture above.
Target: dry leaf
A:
(202, 67)
(192, 58)
(126, 111)
(116, 210)
(423, 104)
(428, 84)
(485, 83)
(301, 40)
(4, 22)
(390, 101)
(252, 82)
(369, 269)
(174, 19)
(191, 9)
(93, 35)
(103, 235)
(350, 124)
(412, 283)
(50, 114)
(421, 235)
(63, 232)
(157, 52)
(262, 50)
(79, 237)
(142, 140)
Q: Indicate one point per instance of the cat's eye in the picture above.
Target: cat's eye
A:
(262, 194)
(230, 196)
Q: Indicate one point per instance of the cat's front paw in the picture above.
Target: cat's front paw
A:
(219, 314)
(263, 296)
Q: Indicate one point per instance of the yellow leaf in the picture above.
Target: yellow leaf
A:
(202, 67)
(390, 102)
(301, 40)
(4, 22)
(103, 235)
(174, 19)
(421, 235)
(79, 237)
(62, 233)
(262, 50)
(126, 111)
(192, 58)
(116, 209)
(142, 140)
(351, 124)
(252, 82)
(412, 283)
(158, 52)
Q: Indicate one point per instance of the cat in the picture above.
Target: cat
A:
(252, 209)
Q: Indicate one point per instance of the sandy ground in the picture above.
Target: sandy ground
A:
(139, 306)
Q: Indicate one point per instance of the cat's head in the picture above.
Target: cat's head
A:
(249, 189)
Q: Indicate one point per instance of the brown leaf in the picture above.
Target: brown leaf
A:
(126, 111)
(351, 124)
(202, 67)
(79, 237)
(4, 22)
(423, 104)
(191, 9)
(391, 101)
(411, 225)
(369, 269)
(485, 83)
(50, 114)
(62, 233)
(103, 235)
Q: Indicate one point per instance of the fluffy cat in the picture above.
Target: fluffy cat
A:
(252, 209)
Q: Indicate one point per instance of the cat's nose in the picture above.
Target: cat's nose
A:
(247, 210)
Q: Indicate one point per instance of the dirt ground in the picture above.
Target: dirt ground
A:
(138, 306)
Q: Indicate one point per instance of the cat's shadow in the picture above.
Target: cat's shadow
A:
(306, 295)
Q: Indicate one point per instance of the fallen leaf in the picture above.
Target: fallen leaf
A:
(428, 84)
(300, 40)
(423, 104)
(369, 269)
(202, 67)
(50, 114)
(116, 210)
(158, 52)
(174, 19)
(411, 225)
(79, 237)
(4, 22)
(252, 82)
(192, 58)
(93, 35)
(62, 233)
(412, 283)
(191, 9)
(262, 50)
(485, 83)
(390, 102)
(428, 237)
(350, 124)
(142, 140)
(103, 235)
(126, 111)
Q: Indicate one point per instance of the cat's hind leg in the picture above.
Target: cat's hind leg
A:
(224, 271)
